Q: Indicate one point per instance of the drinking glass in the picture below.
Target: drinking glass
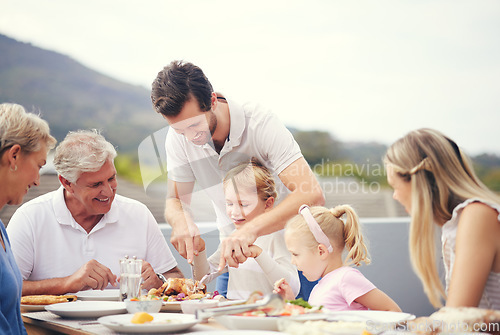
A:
(134, 278)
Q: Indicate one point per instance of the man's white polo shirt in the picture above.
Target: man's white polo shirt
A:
(48, 243)
(254, 132)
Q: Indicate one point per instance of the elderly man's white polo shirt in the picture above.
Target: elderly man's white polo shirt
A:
(254, 132)
(48, 243)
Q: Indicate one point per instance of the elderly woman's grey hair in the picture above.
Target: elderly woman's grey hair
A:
(26, 129)
(82, 151)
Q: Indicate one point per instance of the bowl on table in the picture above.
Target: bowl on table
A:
(148, 306)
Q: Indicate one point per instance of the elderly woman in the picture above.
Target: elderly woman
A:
(24, 142)
(435, 182)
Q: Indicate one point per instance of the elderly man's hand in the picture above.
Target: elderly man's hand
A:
(92, 275)
(235, 248)
(149, 277)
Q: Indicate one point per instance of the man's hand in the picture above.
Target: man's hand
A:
(92, 275)
(188, 246)
(149, 277)
(185, 234)
(235, 249)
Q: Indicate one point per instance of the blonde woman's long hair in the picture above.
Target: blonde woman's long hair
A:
(342, 227)
(441, 177)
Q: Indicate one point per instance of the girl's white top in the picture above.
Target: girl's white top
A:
(255, 274)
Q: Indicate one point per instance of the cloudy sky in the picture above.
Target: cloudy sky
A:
(363, 70)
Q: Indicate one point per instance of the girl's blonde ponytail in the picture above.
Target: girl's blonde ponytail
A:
(353, 237)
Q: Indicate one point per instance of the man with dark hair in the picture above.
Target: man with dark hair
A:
(212, 134)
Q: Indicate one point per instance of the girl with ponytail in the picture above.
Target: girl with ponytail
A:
(316, 238)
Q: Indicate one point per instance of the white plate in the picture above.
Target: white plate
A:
(271, 323)
(162, 322)
(99, 295)
(175, 306)
(263, 322)
(32, 308)
(373, 316)
(231, 302)
(87, 309)
(249, 332)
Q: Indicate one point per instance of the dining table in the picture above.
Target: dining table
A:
(44, 322)
(100, 312)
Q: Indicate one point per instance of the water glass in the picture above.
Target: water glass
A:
(134, 278)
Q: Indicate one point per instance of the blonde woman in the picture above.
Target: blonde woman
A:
(316, 239)
(434, 180)
(24, 142)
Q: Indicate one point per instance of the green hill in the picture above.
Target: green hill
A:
(71, 96)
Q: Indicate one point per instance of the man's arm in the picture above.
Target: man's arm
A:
(305, 189)
(92, 275)
(185, 234)
(55, 286)
(174, 273)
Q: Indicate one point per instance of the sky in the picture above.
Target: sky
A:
(361, 70)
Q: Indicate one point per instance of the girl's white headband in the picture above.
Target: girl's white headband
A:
(314, 227)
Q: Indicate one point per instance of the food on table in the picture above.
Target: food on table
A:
(179, 285)
(301, 302)
(287, 310)
(175, 286)
(141, 317)
(145, 298)
(181, 297)
(146, 318)
(46, 299)
(292, 307)
(179, 289)
(457, 319)
(469, 315)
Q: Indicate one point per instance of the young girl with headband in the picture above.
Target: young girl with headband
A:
(316, 239)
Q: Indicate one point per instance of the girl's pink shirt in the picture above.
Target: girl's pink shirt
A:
(338, 289)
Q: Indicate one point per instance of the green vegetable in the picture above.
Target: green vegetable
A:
(300, 302)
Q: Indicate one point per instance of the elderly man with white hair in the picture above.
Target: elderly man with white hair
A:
(71, 239)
